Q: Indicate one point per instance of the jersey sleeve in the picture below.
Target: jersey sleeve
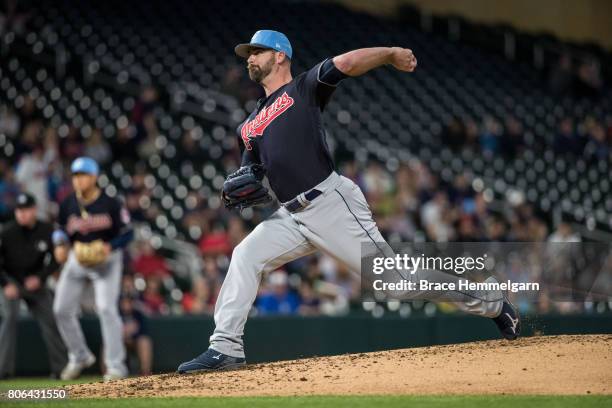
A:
(320, 82)
(247, 158)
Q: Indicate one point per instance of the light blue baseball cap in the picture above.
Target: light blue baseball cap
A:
(266, 39)
(85, 165)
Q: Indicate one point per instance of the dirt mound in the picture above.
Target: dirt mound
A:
(534, 365)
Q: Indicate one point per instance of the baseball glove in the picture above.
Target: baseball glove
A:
(243, 188)
(91, 253)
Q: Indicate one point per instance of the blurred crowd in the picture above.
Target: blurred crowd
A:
(590, 138)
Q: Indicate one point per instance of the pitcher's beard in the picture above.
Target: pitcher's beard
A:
(257, 73)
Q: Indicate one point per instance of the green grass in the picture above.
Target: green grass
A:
(466, 401)
(333, 401)
(37, 382)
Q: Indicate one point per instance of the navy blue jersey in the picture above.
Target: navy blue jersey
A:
(285, 133)
(107, 219)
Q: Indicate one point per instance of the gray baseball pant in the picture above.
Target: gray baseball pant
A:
(336, 222)
(106, 280)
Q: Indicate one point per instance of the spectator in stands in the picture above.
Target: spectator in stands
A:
(31, 176)
(561, 77)
(97, 148)
(471, 135)
(29, 138)
(15, 17)
(376, 180)
(216, 242)
(144, 106)
(9, 122)
(406, 189)
(152, 296)
(138, 197)
(309, 300)
(512, 141)
(200, 299)
(564, 233)
(128, 287)
(454, 134)
(460, 191)
(72, 145)
(59, 181)
(589, 83)
(148, 145)
(124, 144)
(435, 216)
(148, 263)
(597, 147)
(467, 230)
(28, 113)
(190, 151)
(426, 182)
(489, 137)
(212, 272)
(276, 298)
(536, 230)
(9, 189)
(348, 286)
(133, 205)
(51, 146)
(136, 335)
(496, 230)
(567, 140)
(378, 186)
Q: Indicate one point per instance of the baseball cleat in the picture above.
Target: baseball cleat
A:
(73, 369)
(112, 375)
(509, 321)
(210, 360)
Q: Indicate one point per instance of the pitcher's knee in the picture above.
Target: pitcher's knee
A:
(245, 253)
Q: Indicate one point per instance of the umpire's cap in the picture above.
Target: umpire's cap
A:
(269, 39)
(85, 165)
(25, 200)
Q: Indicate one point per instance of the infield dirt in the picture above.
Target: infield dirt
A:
(558, 365)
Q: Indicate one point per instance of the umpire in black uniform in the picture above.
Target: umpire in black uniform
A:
(26, 260)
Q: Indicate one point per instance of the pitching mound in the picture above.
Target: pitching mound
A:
(534, 365)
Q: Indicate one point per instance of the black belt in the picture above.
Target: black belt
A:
(295, 204)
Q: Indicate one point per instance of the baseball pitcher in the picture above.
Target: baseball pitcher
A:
(320, 210)
(93, 229)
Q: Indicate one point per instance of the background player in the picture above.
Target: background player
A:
(320, 209)
(94, 229)
(26, 260)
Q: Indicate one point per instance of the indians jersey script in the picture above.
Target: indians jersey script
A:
(106, 219)
(285, 133)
